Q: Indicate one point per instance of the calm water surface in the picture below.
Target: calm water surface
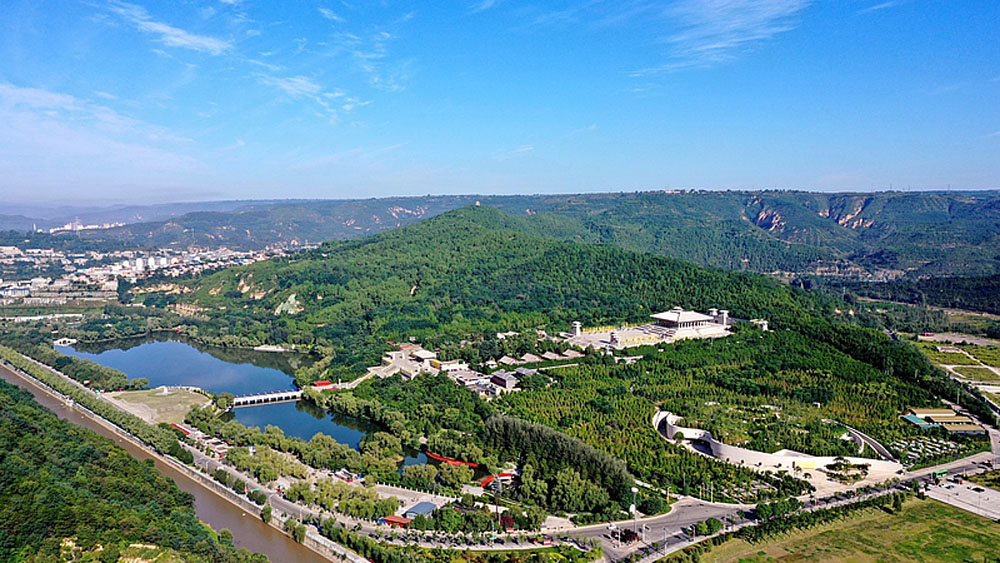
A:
(216, 370)
(240, 372)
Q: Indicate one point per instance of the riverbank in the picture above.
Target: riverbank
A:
(277, 545)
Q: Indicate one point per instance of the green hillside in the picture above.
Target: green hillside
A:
(975, 293)
(466, 273)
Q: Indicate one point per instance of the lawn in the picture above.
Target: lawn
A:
(154, 404)
(989, 355)
(925, 530)
(944, 358)
(977, 373)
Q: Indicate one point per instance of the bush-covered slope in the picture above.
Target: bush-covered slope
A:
(976, 294)
(463, 274)
(59, 481)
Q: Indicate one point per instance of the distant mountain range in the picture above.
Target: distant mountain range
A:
(851, 235)
(25, 217)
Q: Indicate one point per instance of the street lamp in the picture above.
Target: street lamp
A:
(635, 511)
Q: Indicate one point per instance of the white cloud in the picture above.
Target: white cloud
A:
(587, 129)
(523, 150)
(268, 66)
(877, 7)
(295, 86)
(330, 15)
(54, 138)
(370, 52)
(716, 31)
(332, 102)
(484, 5)
(168, 35)
(67, 108)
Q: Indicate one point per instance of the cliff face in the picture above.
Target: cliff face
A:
(891, 234)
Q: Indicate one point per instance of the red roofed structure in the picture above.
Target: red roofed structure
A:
(398, 521)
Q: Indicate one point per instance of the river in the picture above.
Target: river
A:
(248, 530)
(167, 361)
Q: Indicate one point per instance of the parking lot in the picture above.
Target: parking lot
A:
(974, 498)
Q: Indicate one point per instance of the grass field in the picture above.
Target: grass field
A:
(153, 405)
(989, 355)
(926, 530)
(977, 373)
(944, 358)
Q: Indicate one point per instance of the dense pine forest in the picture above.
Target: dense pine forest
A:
(970, 293)
(62, 482)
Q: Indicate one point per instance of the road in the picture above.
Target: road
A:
(668, 527)
(872, 443)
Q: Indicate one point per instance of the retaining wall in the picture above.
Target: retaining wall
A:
(667, 423)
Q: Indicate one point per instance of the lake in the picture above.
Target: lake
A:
(217, 370)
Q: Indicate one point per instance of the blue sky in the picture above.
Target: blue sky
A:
(108, 101)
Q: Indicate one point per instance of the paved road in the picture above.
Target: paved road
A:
(872, 443)
(670, 527)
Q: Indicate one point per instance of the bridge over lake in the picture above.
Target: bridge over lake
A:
(262, 398)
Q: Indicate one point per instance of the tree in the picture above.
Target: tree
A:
(454, 476)
(224, 400)
(713, 525)
(652, 505)
(265, 514)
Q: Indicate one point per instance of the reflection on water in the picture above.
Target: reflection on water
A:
(304, 420)
(174, 362)
(284, 362)
(170, 362)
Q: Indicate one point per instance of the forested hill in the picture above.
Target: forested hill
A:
(975, 294)
(462, 274)
(854, 235)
